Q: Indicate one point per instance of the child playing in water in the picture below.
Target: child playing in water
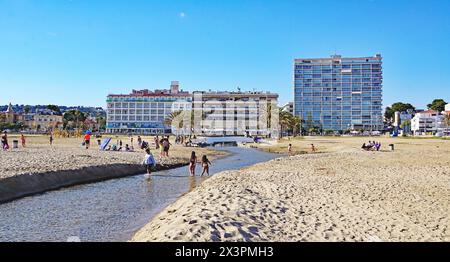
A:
(205, 165)
(192, 163)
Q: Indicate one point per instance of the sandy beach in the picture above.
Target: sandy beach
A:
(339, 194)
(68, 154)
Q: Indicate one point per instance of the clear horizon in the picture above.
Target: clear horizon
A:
(76, 52)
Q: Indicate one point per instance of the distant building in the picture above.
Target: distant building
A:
(339, 93)
(288, 107)
(235, 113)
(447, 109)
(144, 111)
(425, 122)
(10, 116)
(47, 122)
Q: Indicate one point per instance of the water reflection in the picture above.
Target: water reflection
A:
(107, 211)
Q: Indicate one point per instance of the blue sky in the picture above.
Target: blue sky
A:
(75, 52)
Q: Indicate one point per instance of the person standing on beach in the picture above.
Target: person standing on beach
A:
(139, 140)
(290, 150)
(5, 145)
(51, 139)
(87, 140)
(166, 146)
(149, 161)
(156, 139)
(205, 164)
(192, 163)
(22, 139)
(313, 148)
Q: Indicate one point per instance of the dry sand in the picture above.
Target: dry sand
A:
(68, 154)
(343, 195)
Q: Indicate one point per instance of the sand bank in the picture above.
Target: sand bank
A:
(348, 195)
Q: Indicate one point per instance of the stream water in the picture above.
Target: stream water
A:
(108, 211)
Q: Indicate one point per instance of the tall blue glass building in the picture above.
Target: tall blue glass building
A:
(339, 93)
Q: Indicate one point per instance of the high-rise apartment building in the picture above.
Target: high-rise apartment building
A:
(339, 93)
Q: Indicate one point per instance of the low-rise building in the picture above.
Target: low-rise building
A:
(9, 116)
(289, 107)
(47, 122)
(427, 122)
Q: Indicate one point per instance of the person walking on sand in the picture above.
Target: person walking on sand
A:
(22, 139)
(5, 145)
(87, 140)
(290, 150)
(313, 148)
(157, 142)
(51, 139)
(149, 161)
(205, 164)
(192, 163)
(139, 140)
(166, 146)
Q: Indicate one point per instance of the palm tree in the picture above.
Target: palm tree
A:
(295, 125)
(285, 120)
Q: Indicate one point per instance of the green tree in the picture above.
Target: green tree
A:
(295, 124)
(447, 123)
(54, 108)
(437, 105)
(400, 107)
(73, 116)
(101, 122)
(285, 120)
(26, 109)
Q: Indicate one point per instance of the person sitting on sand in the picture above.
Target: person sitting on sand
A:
(127, 148)
(364, 147)
(378, 146)
(205, 164)
(22, 139)
(149, 161)
(192, 163)
(313, 148)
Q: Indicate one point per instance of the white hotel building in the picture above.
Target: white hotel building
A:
(144, 111)
(426, 122)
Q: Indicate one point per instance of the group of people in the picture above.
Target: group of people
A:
(193, 164)
(371, 146)
(163, 145)
(5, 143)
(291, 152)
